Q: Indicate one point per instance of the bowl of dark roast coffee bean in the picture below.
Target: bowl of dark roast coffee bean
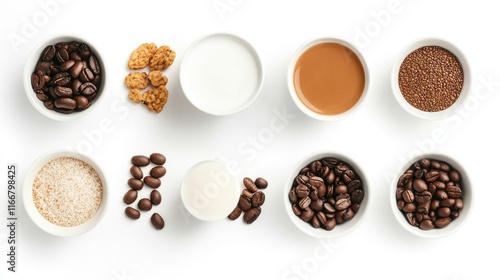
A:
(64, 77)
(326, 195)
(431, 196)
(431, 78)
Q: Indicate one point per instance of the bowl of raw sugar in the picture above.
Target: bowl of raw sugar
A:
(65, 193)
(221, 74)
(431, 78)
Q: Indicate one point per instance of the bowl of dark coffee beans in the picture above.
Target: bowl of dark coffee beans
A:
(326, 195)
(64, 77)
(431, 196)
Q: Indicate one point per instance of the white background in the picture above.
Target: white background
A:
(380, 137)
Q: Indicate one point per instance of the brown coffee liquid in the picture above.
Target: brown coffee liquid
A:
(329, 78)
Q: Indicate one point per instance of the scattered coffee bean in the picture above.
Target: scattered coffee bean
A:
(429, 194)
(145, 204)
(251, 200)
(235, 214)
(328, 192)
(132, 213)
(158, 171)
(158, 158)
(152, 182)
(251, 215)
(136, 172)
(155, 197)
(157, 221)
(58, 69)
(140, 160)
(261, 183)
(130, 196)
(135, 184)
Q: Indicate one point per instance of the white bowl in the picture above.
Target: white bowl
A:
(457, 105)
(35, 215)
(221, 74)
(291, 86)
(29, 67)
(209, 192)
(467, 193)
(340, 229)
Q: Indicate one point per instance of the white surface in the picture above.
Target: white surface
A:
(266, 139)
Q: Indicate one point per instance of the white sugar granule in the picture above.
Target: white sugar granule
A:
(67, 191)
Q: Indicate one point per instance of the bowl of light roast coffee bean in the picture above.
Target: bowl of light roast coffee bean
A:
(65, 193)
(64, 77)
(431, 196)
(431, 78)
(326, 195)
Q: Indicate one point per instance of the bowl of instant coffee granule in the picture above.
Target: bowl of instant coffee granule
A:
(65, 193)
(431, 78)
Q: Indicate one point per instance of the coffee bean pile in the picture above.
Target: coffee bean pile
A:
(251, 200)
(327, 192)
(431, 78)
(429, 194)
(137, 182)
(67, 77)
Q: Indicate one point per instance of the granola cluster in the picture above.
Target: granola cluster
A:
(149, 88)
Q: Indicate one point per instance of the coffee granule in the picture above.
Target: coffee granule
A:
(67, 191)
(431, 78)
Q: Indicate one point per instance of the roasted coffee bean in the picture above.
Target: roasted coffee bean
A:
(42, 96)
(342, 204)
(135, 184)
(292, 196)
(454, 191)
(43, 67)
(157, 221)
(321, 218)
(296, 210)
(152, 182)
(251, 215)
(244, 203)
(37, 80)
(258, 199)
(61, 79)
(349, 214)
(459, 204)
(136, 172)
(454, 176)
(329, 208)
(249, 184)
(65, 103)
(130, 196)
(443, 222)
(307, 215)
(302, 191)
(132, 213)
(87, 88)
(316, 181)
(317, 205)
(304, 202)
(67, 65)
(315, 222)
(426, 224)
(94, 65)
(330, 224)
(410, 217)
(49, 104)
(443, 212)
(431, 176)
(74, 56)
(424, 207)
(63, 91)
(302, 179)
(86, 75)
(409, 207)
(441, 195)
(145, 204)
(76, 69)
(419, 185)
(158, 171)
(261, 183)
(155, 197)
(247, 193)
(157, 158)
(140, 160)
(447, 202)
(423, 197)
(84, 51)
(82, 102)
(48, 53)
(354, 185)
(235, 214)
(407, 196)
(341, 189)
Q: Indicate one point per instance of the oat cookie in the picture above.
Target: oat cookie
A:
(136, 96)
(156, 98)
(141, 56)
(157, 78)
(137, 80)
(162, 58)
